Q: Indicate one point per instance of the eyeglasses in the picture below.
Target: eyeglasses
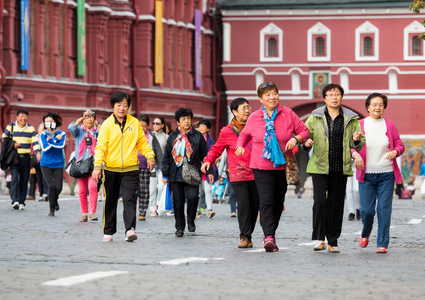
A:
(156, 123)
(245, 108)
(333, 95)
(265, 84)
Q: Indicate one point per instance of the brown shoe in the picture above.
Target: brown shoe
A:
(83, 218)
(142, 218)
(93, 217)
(250, 245)
(243, 243)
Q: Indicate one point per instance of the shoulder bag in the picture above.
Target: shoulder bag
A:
(190, 173)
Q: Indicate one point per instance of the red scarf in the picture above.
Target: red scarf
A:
(181, 146)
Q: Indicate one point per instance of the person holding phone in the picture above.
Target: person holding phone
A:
(85, 131)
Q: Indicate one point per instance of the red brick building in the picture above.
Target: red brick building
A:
(120, 43)
(366, 46)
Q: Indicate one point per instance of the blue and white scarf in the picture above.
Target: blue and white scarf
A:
(272, 149)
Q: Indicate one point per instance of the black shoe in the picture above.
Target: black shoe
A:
(358, 214)
(51, 214)
(179, 233)
(57, 206)
(191, 227)
(351, 217)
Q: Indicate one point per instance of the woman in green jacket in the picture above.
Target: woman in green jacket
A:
(335, 130)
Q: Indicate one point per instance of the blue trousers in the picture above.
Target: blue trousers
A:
(376, 195)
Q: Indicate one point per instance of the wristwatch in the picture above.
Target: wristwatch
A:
(296, 140)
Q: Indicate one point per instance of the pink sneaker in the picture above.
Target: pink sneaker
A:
(131, 235)
(381, 250)
(363, 242)
(107, 238)
(268, 243)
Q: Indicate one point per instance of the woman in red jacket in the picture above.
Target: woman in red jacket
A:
(240, 174)
(273, 129)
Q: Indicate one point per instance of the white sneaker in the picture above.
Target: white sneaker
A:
(131, 235)
(320, 245)
(15, 205)
(107, 238)
(21, 207)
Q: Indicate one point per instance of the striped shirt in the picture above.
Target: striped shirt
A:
(25, 136)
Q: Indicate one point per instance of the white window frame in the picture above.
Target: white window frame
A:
(318, 29)
(227, 31)
(366, 28)
(271, 29)
(416, 28)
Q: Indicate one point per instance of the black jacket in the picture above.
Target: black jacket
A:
(9, 155)
(200, 149)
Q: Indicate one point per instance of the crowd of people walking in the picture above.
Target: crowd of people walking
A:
(131, 162)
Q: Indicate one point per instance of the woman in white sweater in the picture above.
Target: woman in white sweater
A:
(377, 170)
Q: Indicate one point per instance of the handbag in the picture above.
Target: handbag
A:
(190, 173)
(82, 168)
(34, 162)
(292, 171)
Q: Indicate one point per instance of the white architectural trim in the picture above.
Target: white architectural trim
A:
(367, 28)
(318, 29)
(414, 27)
(392, 82)
(295, 83)
(227, 41)
(271, 29)
(345, 81)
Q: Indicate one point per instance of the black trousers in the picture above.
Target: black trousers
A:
(272, 187)
(248, 203)
(20, 176)
(128, 183)
(41, 181)
(182, 191)
(54, 179)
(328, 207)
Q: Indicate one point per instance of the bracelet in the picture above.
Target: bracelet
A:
(296, 140)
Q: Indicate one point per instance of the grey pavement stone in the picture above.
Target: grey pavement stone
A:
(36, 248)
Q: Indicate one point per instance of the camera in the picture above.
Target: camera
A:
(92, 114)
(88, 140)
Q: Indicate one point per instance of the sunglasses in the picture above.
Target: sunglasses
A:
(265, 84)
(156, 123)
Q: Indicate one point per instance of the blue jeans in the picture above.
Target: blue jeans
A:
(377, 188)
(232, 197)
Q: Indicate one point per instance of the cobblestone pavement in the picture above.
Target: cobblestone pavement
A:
(37, 250)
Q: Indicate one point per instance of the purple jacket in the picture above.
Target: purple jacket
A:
(287, 124)
(395, 144)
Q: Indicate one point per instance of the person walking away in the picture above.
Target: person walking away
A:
(24, 135)
(52, 161)
(85, 132)
(120, 137)
(352, 195)
(41, 181)
(274, 130)
(184, 142)
(377, 170)
(334, 131)
(157, 143)
(240, 174)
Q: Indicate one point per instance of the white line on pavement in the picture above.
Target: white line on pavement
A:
(186, 260)
(263, 250)
(71, 280)
(415, 221)
(307, 244)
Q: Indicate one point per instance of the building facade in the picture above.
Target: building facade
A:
(120, 55)
(365, 46)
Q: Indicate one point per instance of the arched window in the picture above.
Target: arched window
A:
(367, 46)
(271, 47)
(416, 45)
(319, 46)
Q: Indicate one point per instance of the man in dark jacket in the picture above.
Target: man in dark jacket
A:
(183, 142)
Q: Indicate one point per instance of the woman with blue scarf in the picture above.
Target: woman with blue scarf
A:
(272, 130)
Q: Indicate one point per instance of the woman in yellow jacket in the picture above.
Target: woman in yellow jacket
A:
(120, 137)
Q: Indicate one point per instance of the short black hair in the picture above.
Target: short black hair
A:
(56, 117)
(144, 118)
(236, 103)
(22, 111)
(206, 122)
(161, 118)
(332, 86)
(374, 95)
(118, 96)
(266, 86)
(183, 112)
